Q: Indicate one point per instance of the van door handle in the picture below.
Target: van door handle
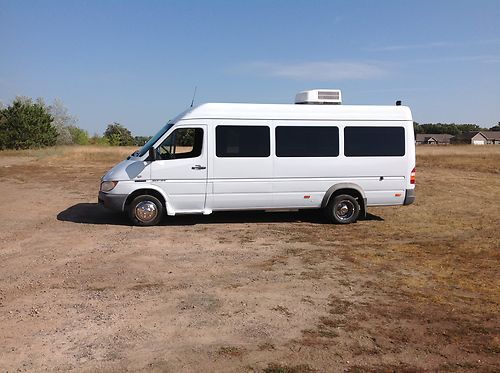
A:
(198, 167)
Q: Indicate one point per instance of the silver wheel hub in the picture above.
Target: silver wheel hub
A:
(146, 211)
(344, 210)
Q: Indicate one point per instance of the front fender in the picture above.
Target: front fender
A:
(146, 186)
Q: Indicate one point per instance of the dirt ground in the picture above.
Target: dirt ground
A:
(409, 289)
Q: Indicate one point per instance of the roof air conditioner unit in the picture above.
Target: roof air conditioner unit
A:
(319, 97)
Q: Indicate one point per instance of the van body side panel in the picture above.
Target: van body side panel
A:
(239, 182)
(301, 182)
(390, 172)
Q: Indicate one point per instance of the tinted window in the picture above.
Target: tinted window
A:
(182, 143)
(242, 141)
(374, 141)
(307, 141)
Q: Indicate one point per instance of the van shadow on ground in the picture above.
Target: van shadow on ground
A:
(93, 213)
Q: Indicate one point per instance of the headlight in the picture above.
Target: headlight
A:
(107, 186)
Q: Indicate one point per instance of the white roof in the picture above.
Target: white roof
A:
(293, 111)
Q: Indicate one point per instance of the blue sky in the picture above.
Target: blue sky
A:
(137, 62)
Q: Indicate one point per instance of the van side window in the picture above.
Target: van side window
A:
(242, 141)
(182, 143)
(307, 141)
(374, 141)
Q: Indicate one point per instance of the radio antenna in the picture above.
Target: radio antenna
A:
(194, 95)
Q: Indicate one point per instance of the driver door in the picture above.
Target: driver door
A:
(181, 168)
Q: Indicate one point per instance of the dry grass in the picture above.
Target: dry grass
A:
(461, 157)
(444, 248)
(68, 154)
(411, 288)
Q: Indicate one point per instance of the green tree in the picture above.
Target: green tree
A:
(78, 136)
(26, 124)
(141, 140)
(449, 128)
(98, 140)
(468, 127)
(118, 135)
(440, 128)
(417, 128)
(3, 129)
(185, 137)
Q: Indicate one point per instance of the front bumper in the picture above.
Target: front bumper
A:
(115, 202)
(409, 197)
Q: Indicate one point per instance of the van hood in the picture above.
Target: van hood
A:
(129, 169)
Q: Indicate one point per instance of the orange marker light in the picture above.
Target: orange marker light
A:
(397, 195)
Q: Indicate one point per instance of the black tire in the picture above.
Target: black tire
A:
(145, 210)
(343, 209)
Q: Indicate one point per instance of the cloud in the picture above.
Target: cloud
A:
(430, 45)
(478, 58)
(394, 90)
(391, 48)
(318, 71)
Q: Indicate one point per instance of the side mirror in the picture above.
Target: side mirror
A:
(152, 154)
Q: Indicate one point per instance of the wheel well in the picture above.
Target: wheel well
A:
(354, 193)
(147, 192)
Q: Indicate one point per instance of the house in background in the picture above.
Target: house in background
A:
(492, 136)
(478, 138)
(433, 138)
(474, 138)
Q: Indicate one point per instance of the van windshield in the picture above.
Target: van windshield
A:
(154, 139)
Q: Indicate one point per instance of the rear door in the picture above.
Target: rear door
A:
(181, 170)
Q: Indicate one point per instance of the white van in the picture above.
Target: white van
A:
(316, 153)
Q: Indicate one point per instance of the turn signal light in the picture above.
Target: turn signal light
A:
(412, 175)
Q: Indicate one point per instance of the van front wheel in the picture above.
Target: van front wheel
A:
(145, 210)
(343, 209)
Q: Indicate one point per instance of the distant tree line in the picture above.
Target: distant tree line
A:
(27, 123)
(450, 128)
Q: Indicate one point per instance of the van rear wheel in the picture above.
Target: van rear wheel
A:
(145, 210)
(343, 209)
